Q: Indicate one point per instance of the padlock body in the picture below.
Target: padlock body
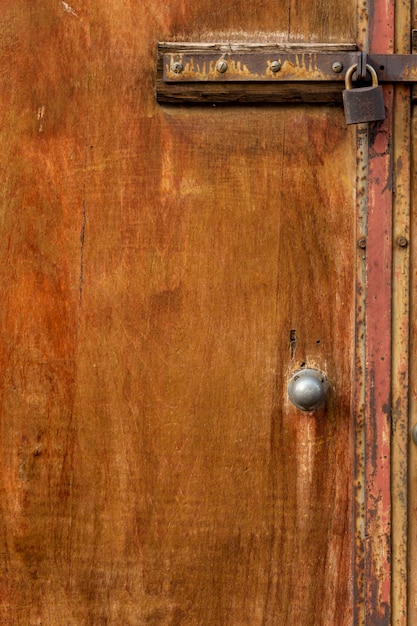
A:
(364, 104)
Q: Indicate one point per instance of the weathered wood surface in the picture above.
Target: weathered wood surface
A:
(162, 272)
(253, 93)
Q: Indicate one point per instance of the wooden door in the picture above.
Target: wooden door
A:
(164, 270)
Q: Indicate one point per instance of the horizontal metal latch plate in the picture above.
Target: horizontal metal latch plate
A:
(250, 63)
(266, 73)
(247, 67)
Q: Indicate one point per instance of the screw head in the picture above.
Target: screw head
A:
(221, 66)
(337, 67)
(177, 67)
(275, 66)
(362, 243)
(402, 242)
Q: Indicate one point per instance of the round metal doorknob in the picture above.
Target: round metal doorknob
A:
(308, 389)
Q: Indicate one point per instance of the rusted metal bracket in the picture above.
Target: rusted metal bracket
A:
(264, 73)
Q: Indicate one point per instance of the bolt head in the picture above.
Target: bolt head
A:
(177, 67)
(221, 67)
(275, 66)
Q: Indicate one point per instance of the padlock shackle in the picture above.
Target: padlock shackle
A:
(369, 69)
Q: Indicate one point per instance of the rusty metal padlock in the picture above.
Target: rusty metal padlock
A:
(363, 104)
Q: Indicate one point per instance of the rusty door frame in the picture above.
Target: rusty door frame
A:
(382, 333)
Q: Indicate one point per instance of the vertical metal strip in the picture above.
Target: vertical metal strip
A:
(400, 323)
(378, 376)
(360, 337)
(378, 340)
(412, 452)
(360, 365)
(412, 397)
(384, 586)
(400, 353)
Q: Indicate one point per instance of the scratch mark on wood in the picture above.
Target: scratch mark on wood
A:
(82, 238)
(84, 201)
(69, 9)
(41, 115)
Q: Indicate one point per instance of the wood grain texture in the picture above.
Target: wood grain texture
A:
(252, 93)
(163, 271)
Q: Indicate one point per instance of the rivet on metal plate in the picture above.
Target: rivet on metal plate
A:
(221, 67)
(275, 66)
(177, 67)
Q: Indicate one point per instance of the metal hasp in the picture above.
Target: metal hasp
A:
(227, 72)
(363, 104)
(308, 389)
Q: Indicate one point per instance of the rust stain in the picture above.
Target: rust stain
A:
(378, 385)
(360, 366)
(378, 342)
(201, 67)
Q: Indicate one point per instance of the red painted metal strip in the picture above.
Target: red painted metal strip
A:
(378, 383)
(381, 26)
(378, 341)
